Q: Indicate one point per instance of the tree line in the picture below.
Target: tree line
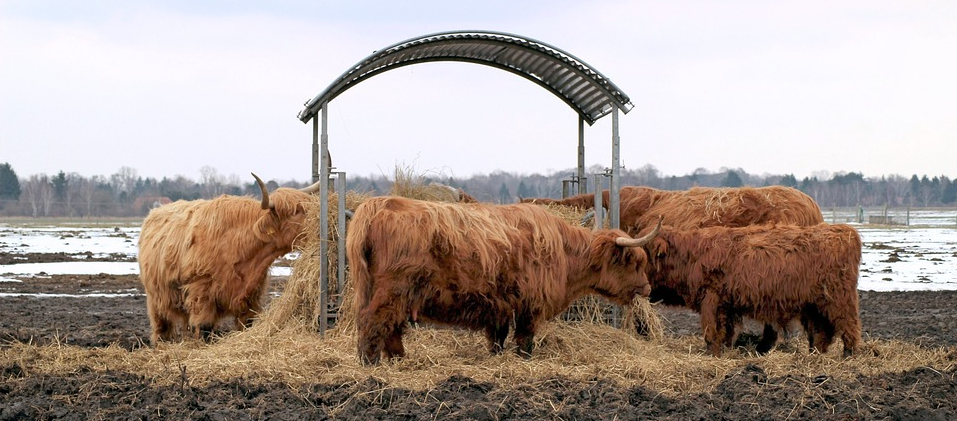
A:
(126, 194)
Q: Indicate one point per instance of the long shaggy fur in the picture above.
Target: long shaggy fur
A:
(772, 273)
(702, 207)
(201, 260)
(477, 266)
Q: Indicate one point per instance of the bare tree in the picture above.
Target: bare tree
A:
(212, 182)
(124, 181)
(90, 195)
(38, 192)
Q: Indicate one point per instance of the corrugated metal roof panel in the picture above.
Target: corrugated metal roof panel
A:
(587, 91)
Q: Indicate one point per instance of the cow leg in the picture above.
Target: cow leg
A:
(249, 307)
(731, 320)
(393, 344)
(245, 316)
(712, 323)
(381, 321)
(819, 330)
(850, 335)
(525, 327)
(202, 319)
(496, 338)
(768, 338)
(846, 320)
(164, 327)
(167, 315)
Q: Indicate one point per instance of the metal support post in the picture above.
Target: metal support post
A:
(582, 187)
(614, 197)
(324, 224)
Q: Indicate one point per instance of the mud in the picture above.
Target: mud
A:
(925, 318)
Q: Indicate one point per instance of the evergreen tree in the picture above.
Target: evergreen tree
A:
(9, 183)
(732, 179)
(788, 180)
(503, 195)
(914, 189)
(60, 185)
(949, 194)
(523, 190)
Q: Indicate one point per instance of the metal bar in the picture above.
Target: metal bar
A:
(341, 243)
(599, 210)
(324, 225)
(315, 150)
(614, 197)
(582, 187)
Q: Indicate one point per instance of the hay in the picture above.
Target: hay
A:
(673, 366)
(300, 302)
(409, 184)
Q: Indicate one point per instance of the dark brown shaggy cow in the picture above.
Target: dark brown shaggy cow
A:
(701, 207)
(478, 266)
(201, 260)
(772, 273)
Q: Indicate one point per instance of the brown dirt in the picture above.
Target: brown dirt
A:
(748, 392)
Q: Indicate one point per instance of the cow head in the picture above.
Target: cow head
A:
(620, 262)
(285, 211)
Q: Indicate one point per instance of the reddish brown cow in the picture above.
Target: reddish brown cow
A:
(478, 266)
(772, 273)
(201, 260)
(702, 207)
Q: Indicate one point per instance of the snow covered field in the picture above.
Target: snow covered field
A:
(902, 258)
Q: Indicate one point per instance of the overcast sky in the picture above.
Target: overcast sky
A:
(777, 87)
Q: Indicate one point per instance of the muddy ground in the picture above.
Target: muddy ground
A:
(926, 318)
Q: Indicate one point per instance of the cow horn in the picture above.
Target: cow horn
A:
(312, 188)
(262, 187)
(638, 242)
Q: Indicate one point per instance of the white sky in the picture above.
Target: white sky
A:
(168, 87)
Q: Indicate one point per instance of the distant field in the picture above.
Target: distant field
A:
(72, 222)
(931, 217)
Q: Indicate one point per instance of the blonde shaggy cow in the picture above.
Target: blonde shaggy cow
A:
(202, 260)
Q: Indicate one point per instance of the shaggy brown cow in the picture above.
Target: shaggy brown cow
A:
(581, 201)
(701, 207)
(771, 273)
(478, 266)
(203, 259)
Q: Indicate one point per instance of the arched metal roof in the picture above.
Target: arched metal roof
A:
(588, 92)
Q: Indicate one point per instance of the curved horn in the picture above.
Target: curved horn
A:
(638, 242)
(262, 187)
(312, 188)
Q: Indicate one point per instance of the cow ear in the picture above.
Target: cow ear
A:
(266, 227)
